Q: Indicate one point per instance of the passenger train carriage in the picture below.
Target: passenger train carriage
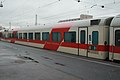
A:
(114, 46)
(96, 38)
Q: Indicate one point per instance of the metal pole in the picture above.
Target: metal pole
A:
(10, 25)
(36, 19)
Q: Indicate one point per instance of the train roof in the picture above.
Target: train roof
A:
(77, 23)
(116, 21)
(32, 28)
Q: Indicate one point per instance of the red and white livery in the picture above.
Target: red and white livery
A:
(96, 38)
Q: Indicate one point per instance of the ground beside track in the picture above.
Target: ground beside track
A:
(19, 62)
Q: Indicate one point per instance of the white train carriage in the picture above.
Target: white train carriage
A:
(83, 37)
(114, 49)
(93, 38)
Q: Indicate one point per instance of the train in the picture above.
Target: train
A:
(96, 38)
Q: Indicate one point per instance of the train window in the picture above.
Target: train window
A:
(12, 36)
(37, 35)
(117, 38)
(95, 37)
(9, 35)
(70, 37)
(89, 37)
(24, 35)
(20, 35)
(56, 36)
(0, 34)
(82, 36)
(16, 36)
(3, 35)
(31, 36)
(95, 22)
(45, 36)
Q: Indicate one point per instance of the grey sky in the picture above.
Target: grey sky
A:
(22, 12)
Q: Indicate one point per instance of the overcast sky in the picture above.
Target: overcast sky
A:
(22, 12)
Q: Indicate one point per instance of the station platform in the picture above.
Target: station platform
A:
(18, 62)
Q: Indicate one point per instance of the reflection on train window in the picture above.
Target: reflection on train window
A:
(45, 36)
(117, 38)
(95, 37)
(20, 35)
(31, 36)
(82, 36)
(70, 37)
(37, 36)
(56, 36)
(24, 35)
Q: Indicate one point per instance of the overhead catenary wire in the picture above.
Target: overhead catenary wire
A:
(75, 12)
(46, 5)
(41, 7)
(59, 14)
(27, 12)
(49, 4)
(81, 1)
(50, 17)
(17, 8)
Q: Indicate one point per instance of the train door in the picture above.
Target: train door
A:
(83, 41)
(116, 44)
(0, 34)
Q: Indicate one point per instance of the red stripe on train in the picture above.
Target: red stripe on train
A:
(52, 45)
(74, 45)
(26, 40)
(114, 49)
(85, 46)
(33, 41)
(55, 45)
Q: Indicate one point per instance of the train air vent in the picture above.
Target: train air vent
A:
(95, 22)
